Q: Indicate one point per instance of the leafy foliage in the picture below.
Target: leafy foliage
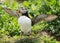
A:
(9, 25)
(36, 39)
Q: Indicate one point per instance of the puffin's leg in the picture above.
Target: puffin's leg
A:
(21, 33)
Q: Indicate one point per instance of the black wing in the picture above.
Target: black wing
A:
(11, 12)
(41, 17)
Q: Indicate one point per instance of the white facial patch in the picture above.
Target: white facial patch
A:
(23, 10)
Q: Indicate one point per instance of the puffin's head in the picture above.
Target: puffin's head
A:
(23, 10)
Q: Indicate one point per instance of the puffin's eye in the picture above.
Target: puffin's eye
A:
(22, 8)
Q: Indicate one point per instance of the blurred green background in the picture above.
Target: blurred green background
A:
(9, 25)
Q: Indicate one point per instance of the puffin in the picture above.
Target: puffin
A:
(25, 21)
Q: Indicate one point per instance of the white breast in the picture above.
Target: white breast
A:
(25, 24)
